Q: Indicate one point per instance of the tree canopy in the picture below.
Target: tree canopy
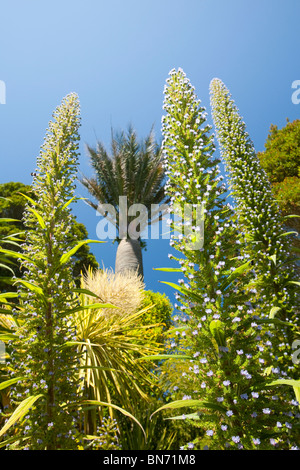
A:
(280, 160)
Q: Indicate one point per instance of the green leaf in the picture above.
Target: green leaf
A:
(88, 307)
(7, 337)
(287, 233)
(273, 311)
(66, 256)
(19, 412)
(5, 311)
(5, 220)
(10, 382)
(33, 202)
(8, 295)
(4, 266)
(32, 287)
(217, 330)
(193, 416)
(15, 254)
(168, 270)
(67, 344)
(164, 356)
(15, 438)
(69, 202)
(190, 403)
(294, 282)
(37, 215)
(290, 382)
(110, 405)
(86, 292)
(236, 273)
(184, 291)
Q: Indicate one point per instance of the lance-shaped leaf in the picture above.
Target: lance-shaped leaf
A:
(15, 254)
(66, 256)
(8, 383)
(159, 357)
(33, 211)
(32, 287)
(97, 403)
(236, 273)
(20, 411)
(190, 404)
(168, 270)
(184, 291)
(289, 382)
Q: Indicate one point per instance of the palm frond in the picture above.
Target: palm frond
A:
(133, 169)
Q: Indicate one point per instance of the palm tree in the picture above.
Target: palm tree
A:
(133, 169)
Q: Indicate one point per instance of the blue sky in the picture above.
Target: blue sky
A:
(117, 54)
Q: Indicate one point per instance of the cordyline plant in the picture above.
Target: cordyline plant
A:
(230, 348)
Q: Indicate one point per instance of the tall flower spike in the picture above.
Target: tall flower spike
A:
(259, 218)
(228, 349)
(49, 368)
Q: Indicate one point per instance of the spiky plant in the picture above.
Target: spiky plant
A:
(46, 385)
(124, 291)
(225, 377)
(112, 343)
(260, 220)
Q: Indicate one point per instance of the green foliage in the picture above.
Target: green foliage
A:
(282, 152)
(107, 436)
(280, 160)
(109, 348)
(159, 314)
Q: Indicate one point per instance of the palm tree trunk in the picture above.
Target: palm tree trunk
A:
(129, 257)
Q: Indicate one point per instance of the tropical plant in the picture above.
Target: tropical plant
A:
(226, 327)
(112, 344)
(131, 175)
